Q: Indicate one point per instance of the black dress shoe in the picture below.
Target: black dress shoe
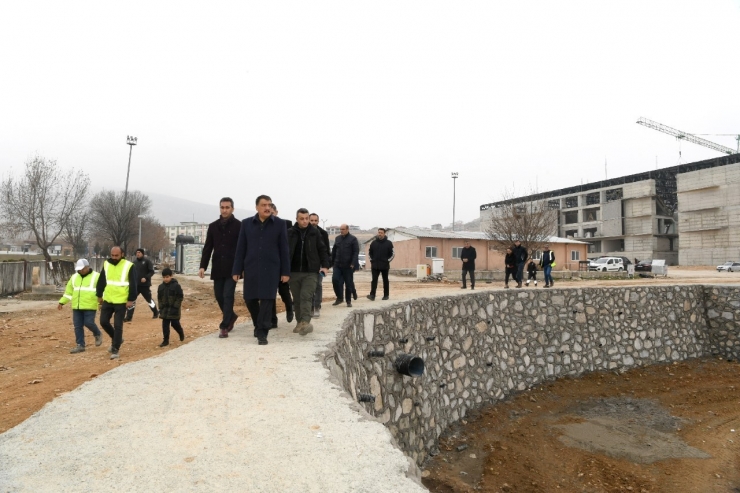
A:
(289, 315)
(338, 302)
(385, 297)
(354, 295)
(349, 304)
(262, 341)
(371, 297)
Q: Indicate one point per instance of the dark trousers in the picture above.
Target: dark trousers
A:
(166, 329)
(472, 277)
(261, 312)
(81, 319)
(303, 286)
(319, 293)
(224, 288)
(374, 282)
(510, 271)
(115, 331)
(519, 272)
(284, 292)
(342, 279)
(146, 292)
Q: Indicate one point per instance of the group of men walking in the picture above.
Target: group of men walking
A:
(277, 257)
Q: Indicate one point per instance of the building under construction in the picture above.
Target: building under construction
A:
(645, 215)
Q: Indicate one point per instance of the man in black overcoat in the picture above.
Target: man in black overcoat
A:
(468, 255)
(221, 240)
(262, 259)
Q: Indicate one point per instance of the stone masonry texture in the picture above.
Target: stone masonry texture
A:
(480, 348)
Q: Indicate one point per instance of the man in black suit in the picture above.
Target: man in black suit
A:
(221, 240)
(467, 255)
(283, 287)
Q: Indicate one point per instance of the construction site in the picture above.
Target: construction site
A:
(685, 214)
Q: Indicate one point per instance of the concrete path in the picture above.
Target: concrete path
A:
(212, 415)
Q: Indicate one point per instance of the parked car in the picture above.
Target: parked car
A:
(361, 260)
(604, 264)
(644, 266)
(729, 267)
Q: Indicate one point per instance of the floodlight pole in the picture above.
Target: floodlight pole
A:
(131, 142)
(454, 181)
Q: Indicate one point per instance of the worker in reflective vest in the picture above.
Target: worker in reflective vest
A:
(116, 292)
(81, 291)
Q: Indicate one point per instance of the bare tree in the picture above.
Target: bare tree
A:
(517, 218)
(110, 221)
(42, 200)
(153, 236)
(76, 233)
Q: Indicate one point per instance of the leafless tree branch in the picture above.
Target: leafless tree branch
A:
(532, 223)
(42, 200)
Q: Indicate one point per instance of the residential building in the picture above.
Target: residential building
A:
(709, 215)
(188, 228)
(634, 216)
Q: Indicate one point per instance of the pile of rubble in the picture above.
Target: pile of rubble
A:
(436, 278)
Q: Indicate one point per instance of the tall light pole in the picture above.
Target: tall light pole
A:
(131, 141)
(454, 181)
(140, 218)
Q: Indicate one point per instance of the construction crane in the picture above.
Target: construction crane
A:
(688, 137)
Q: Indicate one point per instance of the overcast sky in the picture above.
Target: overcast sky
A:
(361, 110)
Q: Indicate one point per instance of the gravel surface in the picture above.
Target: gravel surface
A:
(212, 415)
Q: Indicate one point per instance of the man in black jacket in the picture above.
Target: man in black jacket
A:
(521, 256)
(343, 256)
(381, 254)
(221, 240)
(468, 255)
(308, 255)
(313, 218)
(283, 287)
(144, 272)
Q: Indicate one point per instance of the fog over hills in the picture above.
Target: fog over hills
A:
(171, 211)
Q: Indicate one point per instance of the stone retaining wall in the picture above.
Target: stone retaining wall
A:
(481, 347)
(723, 317)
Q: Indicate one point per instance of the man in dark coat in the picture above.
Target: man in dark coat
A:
(221, 240)
(283, 287)
(521, 256)
(381, 254)
(468, 255)
(144, 272)
(308, 255)
(313, 218)
(344, 255)
(262, 259)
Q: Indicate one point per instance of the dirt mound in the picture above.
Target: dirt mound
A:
(664, 428)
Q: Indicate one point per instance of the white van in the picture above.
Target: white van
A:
(606, 264)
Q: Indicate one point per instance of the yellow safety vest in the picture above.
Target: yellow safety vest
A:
(116, 278)
(81, 291)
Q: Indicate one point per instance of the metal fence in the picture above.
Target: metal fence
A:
(16, 277)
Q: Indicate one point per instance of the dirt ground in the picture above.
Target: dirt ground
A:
(664, 428)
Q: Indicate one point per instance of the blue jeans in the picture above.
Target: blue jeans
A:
(344, 284)
(84, 318)
(548, 274)
(519, 272)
